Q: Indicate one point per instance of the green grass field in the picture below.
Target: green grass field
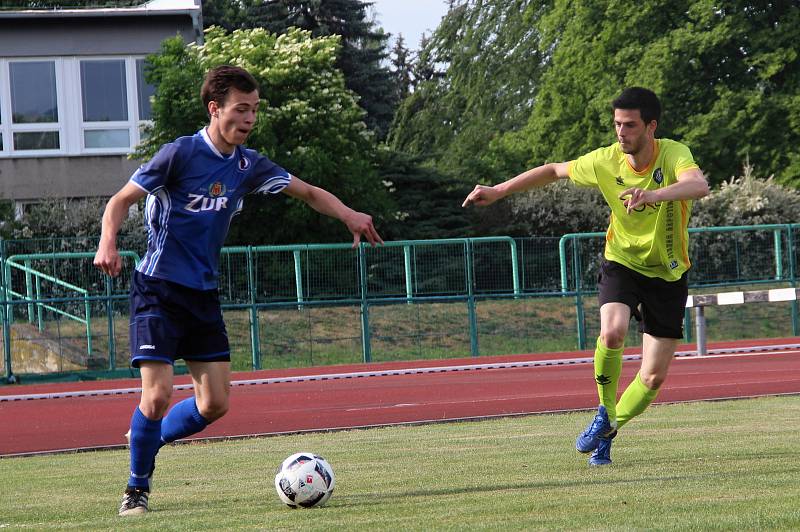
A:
(729, 465)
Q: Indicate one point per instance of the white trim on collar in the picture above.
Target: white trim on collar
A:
(204, 134)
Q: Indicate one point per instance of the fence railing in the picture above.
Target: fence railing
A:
(433, 298)
(721, 256)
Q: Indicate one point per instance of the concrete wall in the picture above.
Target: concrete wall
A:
(29, 179)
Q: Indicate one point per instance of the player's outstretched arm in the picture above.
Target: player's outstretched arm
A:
(319, 199)
(540, 176)
(107, 257)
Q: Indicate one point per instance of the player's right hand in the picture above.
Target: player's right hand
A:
(360, 224)
(108, 260)
(482, 196)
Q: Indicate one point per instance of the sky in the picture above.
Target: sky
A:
(412, 18)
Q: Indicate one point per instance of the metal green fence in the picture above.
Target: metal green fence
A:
(733, 256)
(289, 306)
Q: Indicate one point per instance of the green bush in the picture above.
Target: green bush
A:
(558, 209)
(748, 200)
(70, 218)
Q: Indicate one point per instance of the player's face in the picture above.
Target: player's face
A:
(236, 118)
(632, 133)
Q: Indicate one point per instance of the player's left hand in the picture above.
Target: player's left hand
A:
(360, 224)
(637, 197)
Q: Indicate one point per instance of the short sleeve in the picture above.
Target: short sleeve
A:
(267, 177)
(581, 171)
(155, 173)
(683, 159)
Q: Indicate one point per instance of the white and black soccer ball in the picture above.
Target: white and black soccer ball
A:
(304, 480)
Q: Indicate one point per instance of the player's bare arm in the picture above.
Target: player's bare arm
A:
(358, 223)
(691, 185)
(107, 257)
(540, 176)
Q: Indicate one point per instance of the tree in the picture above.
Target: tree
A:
(310, 124)
(401, 68)
(476, 76)
(728, 75)
(362, 56)
(222, 13)
(427, 204)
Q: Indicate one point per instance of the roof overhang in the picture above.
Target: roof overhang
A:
(152, 8)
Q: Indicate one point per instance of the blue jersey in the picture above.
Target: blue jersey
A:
(193, 193)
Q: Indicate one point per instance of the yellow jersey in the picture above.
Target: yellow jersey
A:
(654, 238)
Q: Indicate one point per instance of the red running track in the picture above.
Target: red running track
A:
(96, 414)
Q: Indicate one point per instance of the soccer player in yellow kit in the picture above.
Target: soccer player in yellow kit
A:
(649, 184)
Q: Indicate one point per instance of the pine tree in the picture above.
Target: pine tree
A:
(401, 68)
(427, 203)
(364, 47)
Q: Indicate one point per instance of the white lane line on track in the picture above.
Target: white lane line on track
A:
(728, 355)
(689, 355)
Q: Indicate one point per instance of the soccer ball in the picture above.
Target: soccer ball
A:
(304, 479)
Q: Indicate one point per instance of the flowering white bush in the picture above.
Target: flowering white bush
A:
(748, 200)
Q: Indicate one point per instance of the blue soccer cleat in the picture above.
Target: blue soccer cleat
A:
(602, 455)
(600, 427)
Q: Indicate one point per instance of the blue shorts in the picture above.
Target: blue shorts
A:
(171, 321)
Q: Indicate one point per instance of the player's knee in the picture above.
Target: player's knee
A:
(155, 405)
(652, 381)
(213, 409)
(613, 338)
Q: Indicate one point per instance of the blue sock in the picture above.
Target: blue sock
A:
(182, 420)
(145, 435)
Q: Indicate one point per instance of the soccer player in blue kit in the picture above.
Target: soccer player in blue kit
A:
(194, 186)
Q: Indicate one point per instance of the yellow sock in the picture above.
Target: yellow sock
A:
(634, 401)
(607, 368)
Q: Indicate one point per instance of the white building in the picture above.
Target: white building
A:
(73, 96)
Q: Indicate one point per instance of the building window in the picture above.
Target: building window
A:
(34, 105)
(145, 92)
(105, 104)
(33, 92)
(72, 105)
(36, 140)
(103, 87)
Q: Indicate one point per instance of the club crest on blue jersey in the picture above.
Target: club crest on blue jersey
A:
(215, 200)
(658, 176)
(217, 189)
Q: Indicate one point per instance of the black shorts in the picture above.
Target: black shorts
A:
(658, 305)
(171, 321)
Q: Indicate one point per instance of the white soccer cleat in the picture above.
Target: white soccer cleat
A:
(134, 502)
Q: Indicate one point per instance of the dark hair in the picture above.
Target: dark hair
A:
(642, 99)
(221, 79)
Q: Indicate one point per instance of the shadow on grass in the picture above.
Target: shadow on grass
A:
(711, 476)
